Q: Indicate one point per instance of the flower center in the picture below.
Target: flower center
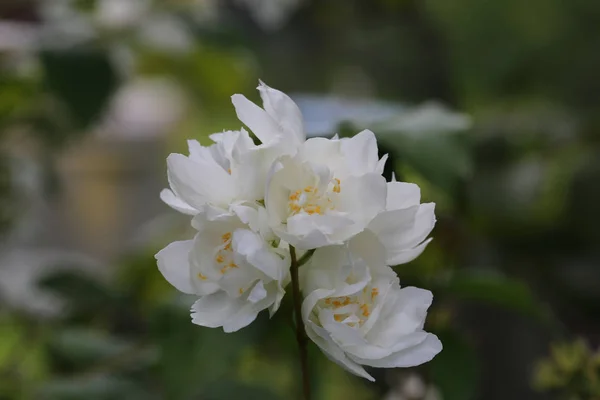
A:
(224, 256)
(310, 201)
(353, 310)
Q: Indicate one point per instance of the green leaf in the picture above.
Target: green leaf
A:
(455, 371)
(82, 80)
(495, 290)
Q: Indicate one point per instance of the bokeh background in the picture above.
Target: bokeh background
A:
(492, 107)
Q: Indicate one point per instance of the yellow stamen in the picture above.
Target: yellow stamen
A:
(226, 237)
(241, 290)
(328, 301)
(309, 189)
(374, 292)
(232, 265)
(337, 186)
(310, 210)
(219, 258)
(365, 310)
(201, 276)
(338, 317)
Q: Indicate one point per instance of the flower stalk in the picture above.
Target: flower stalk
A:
(300, 330)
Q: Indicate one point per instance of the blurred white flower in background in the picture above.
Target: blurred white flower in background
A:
(17, 36)
(271, 15)
(431, 117)
(328, 112)
(165, 33)
(144, 107)
(23, 268)
(412, 387)
(119, 14)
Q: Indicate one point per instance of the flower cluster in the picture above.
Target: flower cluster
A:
(250, 203)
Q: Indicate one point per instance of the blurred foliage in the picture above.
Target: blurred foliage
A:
(516, 193)
(572, 370)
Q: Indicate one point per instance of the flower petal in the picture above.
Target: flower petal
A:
(322, 338)
(258, 120)
(173, 263)
(402, 195)
(251, 246)
(283, 110)
(176, 203)
(410, 357)
(360, 152)
(198, 181)
(362, 197)
(404, 256)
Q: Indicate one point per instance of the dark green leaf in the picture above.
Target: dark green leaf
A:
(83, 80)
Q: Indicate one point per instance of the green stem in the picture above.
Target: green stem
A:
(300, 330)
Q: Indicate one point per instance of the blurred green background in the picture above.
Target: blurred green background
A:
(492, 107)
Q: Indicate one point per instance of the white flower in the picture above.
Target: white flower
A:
(328, 192)
(236, 271)
(233, 170)
(358, 314)
(220, 175)
(398, 234)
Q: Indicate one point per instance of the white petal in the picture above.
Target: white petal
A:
(424, 223)
(251, 246)
(283, 110)
(402, 195)
(404, 313)
(173, 263)
(218, 309)
(363, 197)
(410, 357)
(365, 353)
(367, 246)
(199, 181)
(257, 293)
(196, 150)
(260, 123)
(381, 164)
(312, 240)
(322, 338)
(303, 224)
(341, 333)
(361, 152)
(322, 151)
(404, 256)
(176, 203)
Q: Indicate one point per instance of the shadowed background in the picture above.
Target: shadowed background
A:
(492, 107)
